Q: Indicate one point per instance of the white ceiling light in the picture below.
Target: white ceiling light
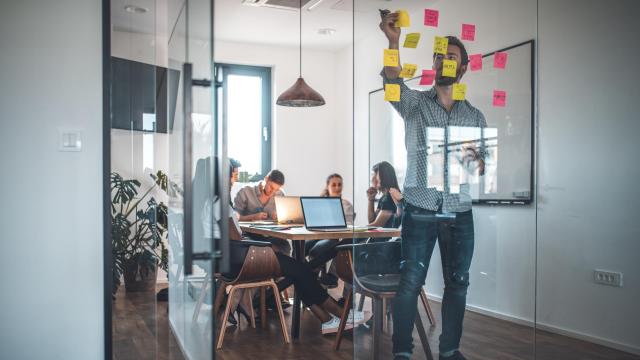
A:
(135, 9)
(326, 31)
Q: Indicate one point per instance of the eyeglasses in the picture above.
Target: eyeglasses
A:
(440, 57)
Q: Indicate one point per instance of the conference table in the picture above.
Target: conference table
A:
(298, 235)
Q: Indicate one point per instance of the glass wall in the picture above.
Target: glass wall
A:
(464, 162)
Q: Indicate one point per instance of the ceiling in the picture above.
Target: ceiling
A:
(236, 22)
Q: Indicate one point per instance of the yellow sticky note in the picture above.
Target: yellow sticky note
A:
(392, 92)
(411, 41)
(440, 45)
(391, 57)
(449, 68)
(408, 70)
(403, 19)
(459, 91)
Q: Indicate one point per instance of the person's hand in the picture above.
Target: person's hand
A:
(260, 216)
(388, 27)
(396, 195)
(371, 193)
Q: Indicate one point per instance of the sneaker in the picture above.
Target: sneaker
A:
(332, 325)
(360, 317)
(455, 356)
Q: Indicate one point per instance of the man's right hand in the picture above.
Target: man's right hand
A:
(260, 216)
(388, 27)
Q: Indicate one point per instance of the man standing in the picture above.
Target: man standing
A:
(420, 227)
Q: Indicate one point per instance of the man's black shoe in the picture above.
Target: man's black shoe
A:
(455, 356)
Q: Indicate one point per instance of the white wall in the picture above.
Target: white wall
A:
(587, 215)
(51, 246)
(308, 143)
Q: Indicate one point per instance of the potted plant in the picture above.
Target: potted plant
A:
(138, 226)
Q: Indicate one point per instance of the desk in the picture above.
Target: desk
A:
(299, 236)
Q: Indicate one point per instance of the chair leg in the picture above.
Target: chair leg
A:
(263, 307)
(384, 311)
(202, 297)
(423, 337)
(343, 321)
(224, 318)
(361, 303)
(247, 298)
(427, 307)
(283, 325)
(219, 297)
(377, 327)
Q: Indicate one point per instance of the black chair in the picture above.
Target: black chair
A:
(373, 270)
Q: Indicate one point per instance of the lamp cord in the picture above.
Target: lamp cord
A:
(300, 31)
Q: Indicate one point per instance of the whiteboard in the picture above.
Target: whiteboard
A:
(509, 170)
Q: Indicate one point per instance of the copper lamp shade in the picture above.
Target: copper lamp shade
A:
(300, 95)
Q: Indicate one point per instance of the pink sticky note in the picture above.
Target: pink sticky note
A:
(427, 77)
(431, 17)
(500, 60)
(499, 98)
(475, 61)
(468, 32)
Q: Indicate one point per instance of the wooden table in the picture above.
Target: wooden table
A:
(298, 236)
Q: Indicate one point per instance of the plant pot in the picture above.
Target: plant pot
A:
(137, 279)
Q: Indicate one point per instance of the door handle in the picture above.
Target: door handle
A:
(187, 167)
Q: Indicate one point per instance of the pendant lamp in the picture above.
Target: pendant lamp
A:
(300, 94)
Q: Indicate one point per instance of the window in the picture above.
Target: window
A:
(246, 96)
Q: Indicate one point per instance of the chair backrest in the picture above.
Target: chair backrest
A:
(260, 264)
(344, 265)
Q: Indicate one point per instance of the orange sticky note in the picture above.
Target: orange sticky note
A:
(403, 19)
(449, 68)
(411, 41)
(431, 17)
(499, 98)
(408, 70)
(500, 60)
(391, 57)
(392, 92)
(440, 45)
(475, 61)
(468, 32)
(459, 91)
(427, 77)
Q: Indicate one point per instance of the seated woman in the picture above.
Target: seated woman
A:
(383, 181)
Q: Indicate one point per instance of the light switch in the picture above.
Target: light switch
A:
(69, 140)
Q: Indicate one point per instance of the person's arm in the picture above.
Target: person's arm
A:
(371, 197)
(348, 211)
(388, 27)
(382, 218)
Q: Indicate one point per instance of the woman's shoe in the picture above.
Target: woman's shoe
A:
(231, 320)
(241, 311)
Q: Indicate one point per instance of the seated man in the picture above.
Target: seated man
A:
(254, 203)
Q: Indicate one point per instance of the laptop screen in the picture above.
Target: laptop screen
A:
(323, 212)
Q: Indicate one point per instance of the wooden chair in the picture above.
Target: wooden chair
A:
(379, 280)
(258, 271)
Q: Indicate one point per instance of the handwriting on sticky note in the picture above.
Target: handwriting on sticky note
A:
(440, 45)
(408, 70)
(392, 92)
(449, 68)
(475, 62)
(411, 41)
(499, 98)
(500, 60)
(459, 91)
(427, 77)
(468, 32)
(403, 19)
(391, 57)
(431, 17)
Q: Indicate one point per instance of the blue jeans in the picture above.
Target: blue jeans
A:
(420, 230)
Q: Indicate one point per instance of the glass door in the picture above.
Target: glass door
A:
(194, 173)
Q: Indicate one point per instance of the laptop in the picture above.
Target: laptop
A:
(289, 210)
(323, 214)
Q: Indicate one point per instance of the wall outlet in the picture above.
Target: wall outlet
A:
(611, 278)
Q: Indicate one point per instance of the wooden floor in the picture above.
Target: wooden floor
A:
(141, 331)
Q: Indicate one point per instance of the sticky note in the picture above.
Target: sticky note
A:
(499, 98)
(392, 92)
(391, 57)
(440, 45)
(431, 17)
(449, 68)
(411, 41)
(403, 19)
(408, 70)
(427, 77)
(459, 91)
(475, 62)
(468, 32)
(500, 60)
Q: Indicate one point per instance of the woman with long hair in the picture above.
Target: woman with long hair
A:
(385, 182)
